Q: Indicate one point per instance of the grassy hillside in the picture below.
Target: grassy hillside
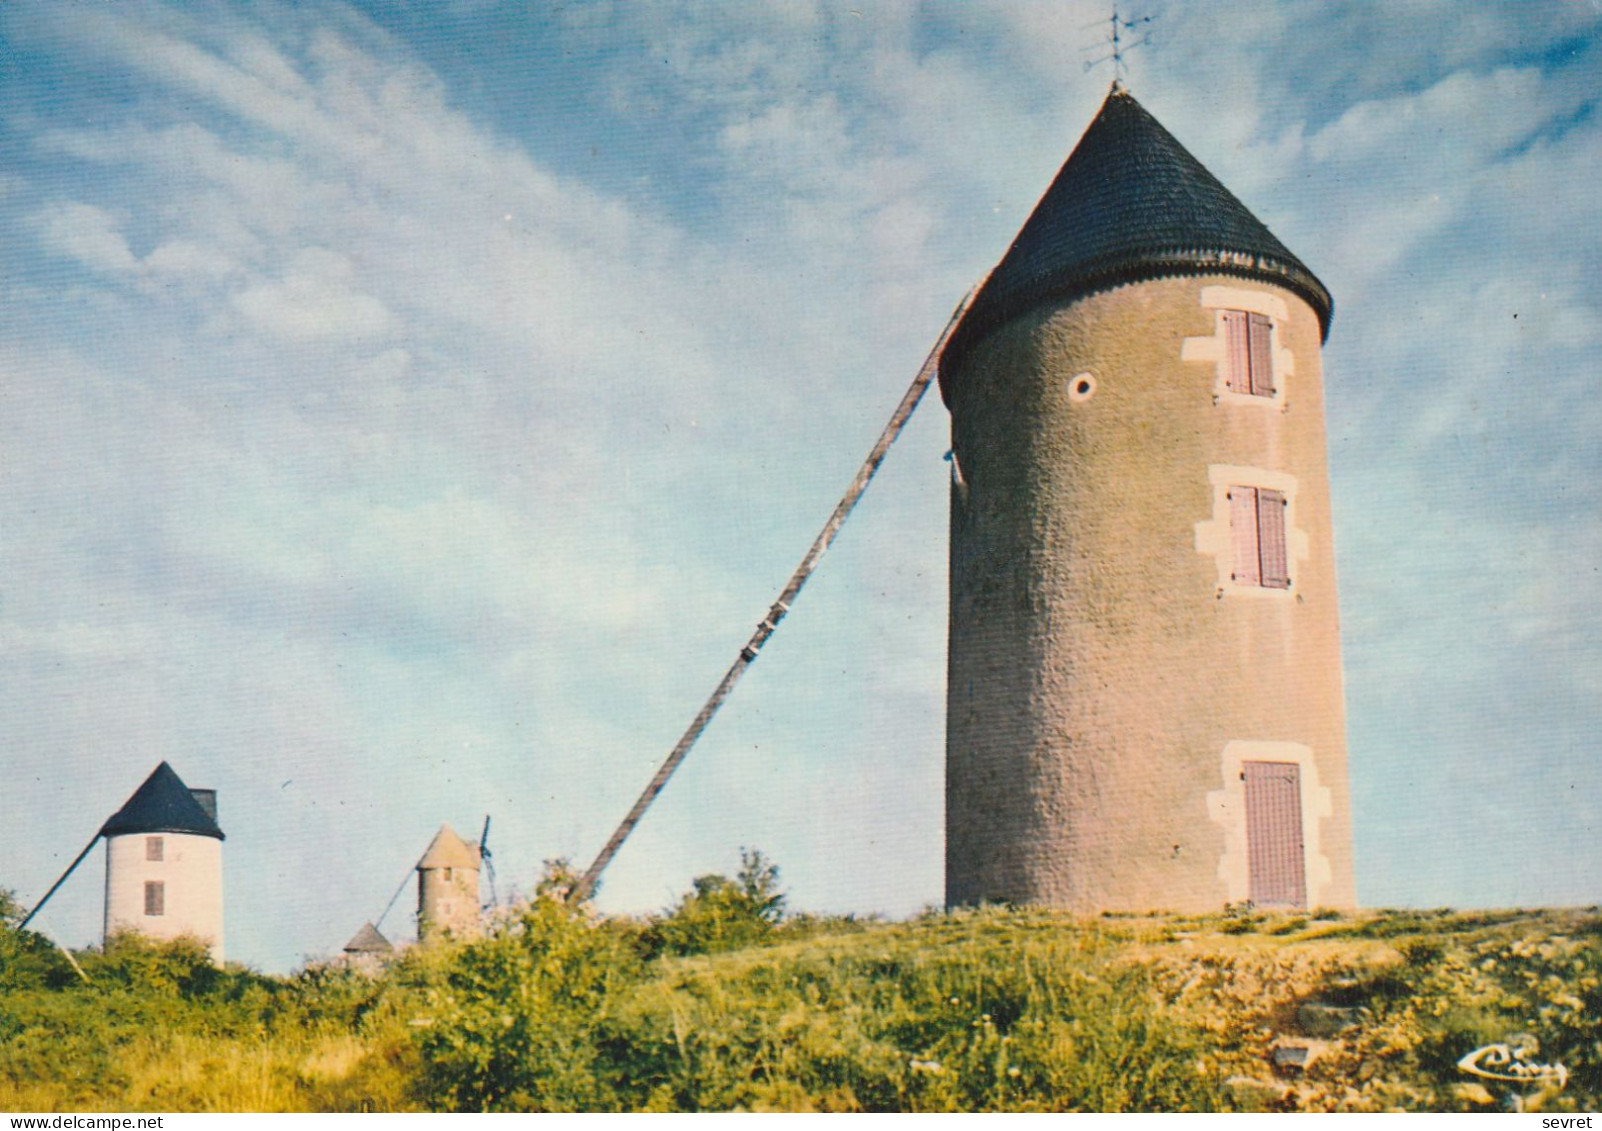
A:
(986, 1010)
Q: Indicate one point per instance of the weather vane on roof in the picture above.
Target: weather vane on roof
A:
(1118, 44)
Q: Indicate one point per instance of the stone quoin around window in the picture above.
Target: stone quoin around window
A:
(1251, 363)
(1248, 353)
(1252, 535)
(1257, 537)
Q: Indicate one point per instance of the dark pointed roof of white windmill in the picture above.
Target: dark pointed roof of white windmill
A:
(163, 804)
(368, 940)
(447, 850)
(1130, 203)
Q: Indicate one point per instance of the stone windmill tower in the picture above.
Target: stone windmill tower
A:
(447, 888)
(1144, 706)
(164, 863)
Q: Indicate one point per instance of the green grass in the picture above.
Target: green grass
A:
(990, 1010)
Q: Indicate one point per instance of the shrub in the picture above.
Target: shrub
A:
(27, 960)
(511, 1019)
(720, 914)
(178, 967)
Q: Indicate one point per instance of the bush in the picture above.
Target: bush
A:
(511, 1020)
(27, 960)
(720, 914)
(177, 967)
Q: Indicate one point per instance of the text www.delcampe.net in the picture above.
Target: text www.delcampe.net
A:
(88, 1122)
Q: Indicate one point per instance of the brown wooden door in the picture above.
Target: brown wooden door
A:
(1275, 855)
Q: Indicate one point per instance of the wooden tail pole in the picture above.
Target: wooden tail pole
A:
(70, 868)
(73, 962)
(390, 905)
(898, 420)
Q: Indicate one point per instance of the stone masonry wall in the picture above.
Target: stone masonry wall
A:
(447, 902)
(1098, 666)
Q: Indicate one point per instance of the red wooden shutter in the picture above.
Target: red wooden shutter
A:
(1261, 354)
(1272, 558)
(155, 897)
(1275, 855)
(1237, 352)
(1243, 535)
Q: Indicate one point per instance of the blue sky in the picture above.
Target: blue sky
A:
(407, 411)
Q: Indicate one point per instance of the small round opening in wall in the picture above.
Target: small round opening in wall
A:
(1082, 387)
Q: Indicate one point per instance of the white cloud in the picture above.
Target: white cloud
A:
(87, 234)
(315, 300)
(185, 258)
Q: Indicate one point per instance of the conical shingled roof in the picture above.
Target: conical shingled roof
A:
(162, 805)
(1130, 203)
(447, 850)
(368, 940)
